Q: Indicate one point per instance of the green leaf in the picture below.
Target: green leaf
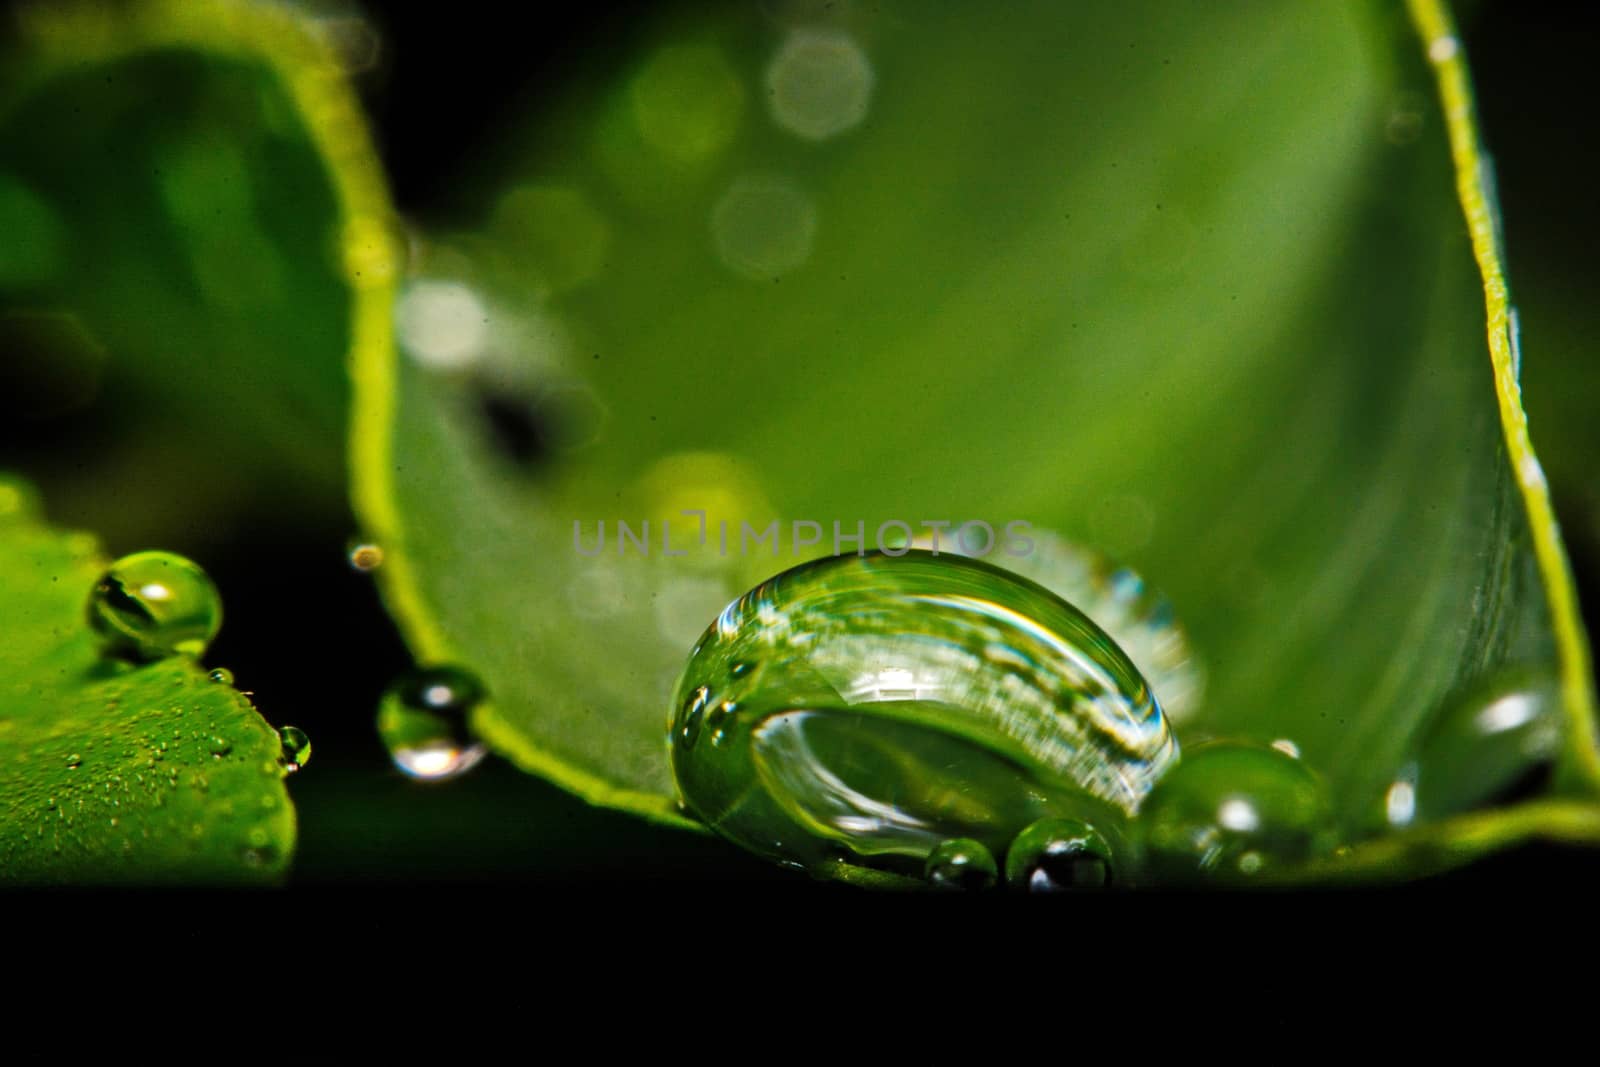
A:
(172, 225)
(1216, 314)
(115, 773)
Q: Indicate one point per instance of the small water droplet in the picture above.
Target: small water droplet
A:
(1058, 854)
(879, 726)
(221, 675)
(1493, 742)
(154, 604)
(296, 748)
(220, 746)
(425, 722)
(1233, 809)
(961, 863)
(74, 761)
(364, 556)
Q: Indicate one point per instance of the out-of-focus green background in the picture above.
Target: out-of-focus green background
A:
(445, 86)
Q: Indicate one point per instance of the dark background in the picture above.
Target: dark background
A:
(451, 79)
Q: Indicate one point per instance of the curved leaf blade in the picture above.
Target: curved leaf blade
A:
(1276, 379)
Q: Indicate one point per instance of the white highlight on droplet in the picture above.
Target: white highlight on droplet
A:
(1443, 49)
(1400, 803)
(763, 226)
(1287, 747)
(1239, 815)
(819, 84)
(1508, 713)
(442, 325)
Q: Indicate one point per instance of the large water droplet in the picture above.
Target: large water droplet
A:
(424, 721)
(155, 604)
(963, 864)
(1489, 744)
(1059, 854)
(1233, 810)
(296, 748)
(900, 702)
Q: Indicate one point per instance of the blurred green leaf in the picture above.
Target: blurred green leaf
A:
(161, 193)
(1193, 289)
(115, 773)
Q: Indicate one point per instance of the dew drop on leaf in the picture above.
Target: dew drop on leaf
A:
(424, 722)
(1489, 744)
(1232, 810)
(1055, 854)
(296, 748)
(221, 675)
(961, 864)
(893, 702)
(151, 605)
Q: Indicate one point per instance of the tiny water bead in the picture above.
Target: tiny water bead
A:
(296, 748)
(424, 721)
(882, 705)
(364, 556)
(1232, 811)
(961, 863)
(220, 675)
(155, 604)
(1058, 854)
(1486, 743)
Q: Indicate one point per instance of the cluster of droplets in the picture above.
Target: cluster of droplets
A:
(936, 716)
(153, 605)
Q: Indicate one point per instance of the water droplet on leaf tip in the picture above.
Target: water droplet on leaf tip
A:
(296, 748)
(221, 675)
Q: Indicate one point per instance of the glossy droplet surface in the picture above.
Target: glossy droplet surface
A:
(881, 705)
(1233, 810)
(424, 721)
(364, 555)
(220, 675)
(1489, 744)
(1139, 618)
(155, 604)
(296, 747)
(1054, 855)
(961, 864)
